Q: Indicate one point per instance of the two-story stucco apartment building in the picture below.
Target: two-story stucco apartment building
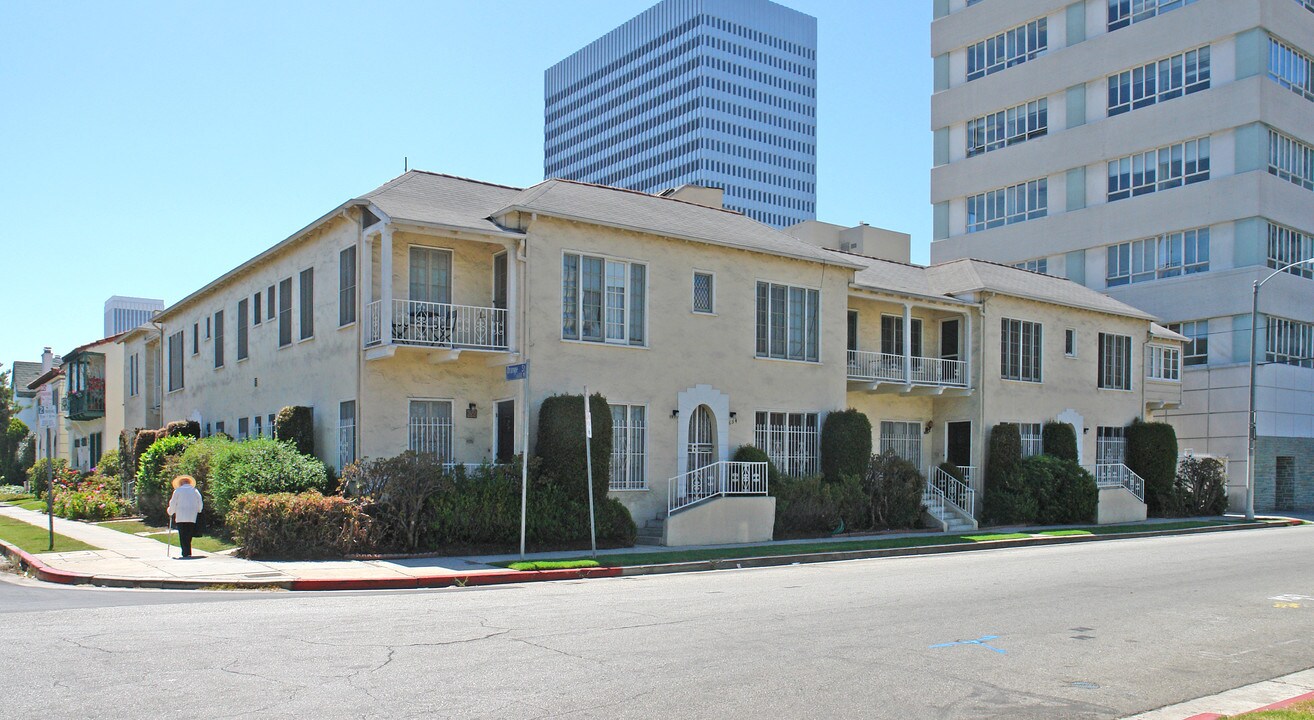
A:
(85, 390)
(396, 315)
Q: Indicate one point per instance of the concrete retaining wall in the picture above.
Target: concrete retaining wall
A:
(723, 520)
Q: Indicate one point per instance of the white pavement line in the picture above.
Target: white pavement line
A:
(1239, 700)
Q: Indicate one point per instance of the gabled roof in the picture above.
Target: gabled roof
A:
(88, 346)
(24, 372)
(666, 216)
(45, 377)
(952, 280)
(435, 199)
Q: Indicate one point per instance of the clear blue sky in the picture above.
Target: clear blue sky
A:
(146, 148)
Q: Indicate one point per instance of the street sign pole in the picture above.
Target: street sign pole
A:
(588, 459)
(47, 414)
(50, 488)
(521, 371)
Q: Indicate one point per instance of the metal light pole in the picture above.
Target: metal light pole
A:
(1254, 332)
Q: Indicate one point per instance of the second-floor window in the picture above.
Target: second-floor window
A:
(1160, 169)
(219, 339)
(134, 374)
(1169, 255)
(1165, 363)
(176, 361)
(892, 336)
(1005, 206)
(1008, 48)
(1196, 350)
(603, 300)
(787, 322)
(284, 312)
(1115, 362)
(347, 286)
(1007, 127)
(243, 310)
(1169, 78)
(1287, 246)
(307, 287)
(1020, 350)
(703, 293)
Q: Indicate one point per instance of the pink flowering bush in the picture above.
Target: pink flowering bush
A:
(92, 502)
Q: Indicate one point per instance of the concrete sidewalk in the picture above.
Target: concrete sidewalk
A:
(125, 560)
(1240, 700)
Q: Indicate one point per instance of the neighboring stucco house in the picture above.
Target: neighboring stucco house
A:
(85, 388)
(21, 374)
(395, 315)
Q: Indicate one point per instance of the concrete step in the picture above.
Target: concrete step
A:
(657, 524)
(648, 540)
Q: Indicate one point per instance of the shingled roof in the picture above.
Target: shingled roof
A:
(24, 372)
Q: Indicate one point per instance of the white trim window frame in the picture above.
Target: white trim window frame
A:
(903, 438)
(1008, 205)
(1011, 47)
(1287, 246)
(1032, 435)
(1171, 77)
(1170, 166)
(1290, 159)
(704, 294)
(1169, 255)
(604, 300)
(1291, 68)
(787, 322)
(791, 439)
(1001, 129)
(1114, 369)
(1165, 363)
(346, 433)
(1123, 13)
(430, 427)
(1288, 342)
(347, 283)
(1196, 350)
(629, 447)
(1070, 342)
(1036, 265)
(1021, 350)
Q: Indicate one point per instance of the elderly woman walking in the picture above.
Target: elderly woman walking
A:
(184, 506)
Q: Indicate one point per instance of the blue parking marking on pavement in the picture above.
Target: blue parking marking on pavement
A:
(981, 641)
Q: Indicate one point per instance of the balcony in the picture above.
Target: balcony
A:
(888, 372)
(84, 373)
(437, 325)
(87, 404)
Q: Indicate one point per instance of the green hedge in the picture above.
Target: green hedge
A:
(297, 526)
(1060, 440)
(812, 506)
(845, 444)
(196, 461)
(1200, 488)
(185, 428)
(1152, 454)
(1006, 500)
(296, 424)
(260, 465)
(560, 445)
(154, 476)
(895, 488)
(753, 453)
(1063, 492)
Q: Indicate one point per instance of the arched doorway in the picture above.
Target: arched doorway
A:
(702, 439)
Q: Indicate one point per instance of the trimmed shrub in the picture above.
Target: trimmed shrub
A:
(753, 453)
(13, 461)
(296, 424)
(1060, 440)
(154, 477)
(845, 444)
(109, 464)
(1152, 454)
(1200, 487)
(895, 488)
(91, 502)
(1063, 492)
(297, 526)
(183, 428)
(1007, 500)
(812, 506)
(141, 442)
(65, 477)
(396, 493)
(560, 445)
(196, 461)
(260, 465)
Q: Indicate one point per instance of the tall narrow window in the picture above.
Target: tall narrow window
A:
(257, 308)
(1115, 362)
(270, 302)
(346, 433)
(176, 361)
(570, 297)
(242, 310)
(499, 281)
(628, 447)
(307, 287)
(196, 338)
(219, 339)
(852, 339)
(702, 293)
(1020, 350)
(347, 286)
(431, 275)
(430, 428)
(284, 312)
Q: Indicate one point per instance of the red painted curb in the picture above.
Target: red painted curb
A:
(43, 571)
(460, 580)
(1275, 706)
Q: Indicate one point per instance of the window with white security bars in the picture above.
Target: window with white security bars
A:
(430, 428)
(1033, 442)
(791, 440)
(1110, 445)
(346, 433)
(629, 447)
(903, 439)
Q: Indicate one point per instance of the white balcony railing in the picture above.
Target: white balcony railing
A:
(438, 325)
(719, 478)
(864, 365)
(1119, 475)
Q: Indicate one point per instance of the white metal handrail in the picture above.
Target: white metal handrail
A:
(1119, 475)
(415, 322)
(955, 491)
(933, 499)
(865, 365)
(719, 478)
(374, 323)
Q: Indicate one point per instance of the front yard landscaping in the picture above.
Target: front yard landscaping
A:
(33, 539)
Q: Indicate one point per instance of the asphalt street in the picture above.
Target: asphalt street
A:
(1099, 630)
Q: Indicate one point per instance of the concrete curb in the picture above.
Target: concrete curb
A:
(499, 577)
(1275, 706)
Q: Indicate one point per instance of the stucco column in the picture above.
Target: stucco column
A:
(907, 344)
(385, 281)
(966, 352)
(366, 280)
(512, 297)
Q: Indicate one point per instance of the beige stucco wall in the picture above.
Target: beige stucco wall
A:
(684, 350)
(1117, 505)
(722, 521)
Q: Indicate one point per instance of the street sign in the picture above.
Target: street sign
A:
(519, 371)
(46, 416)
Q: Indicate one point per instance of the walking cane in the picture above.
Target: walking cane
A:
(168, 544)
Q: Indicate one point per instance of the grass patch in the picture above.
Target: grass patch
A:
(1065, 533)
(553, 564)
(1153, 527)
(996, 536)
(161, 533)
(1299, 711)
(35, 539)
(15, 497)
(31, 504)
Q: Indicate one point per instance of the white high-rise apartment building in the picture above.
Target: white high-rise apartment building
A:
(125, 313)
(718, 93)
(1161, 151)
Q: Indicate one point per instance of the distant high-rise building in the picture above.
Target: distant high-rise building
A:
(1162, 152)
(125, 313)
(719, 93)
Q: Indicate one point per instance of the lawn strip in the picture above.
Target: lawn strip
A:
(1299, 711)
(553, 564)
(33, 539)
(1065, 533)
(997, 536)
